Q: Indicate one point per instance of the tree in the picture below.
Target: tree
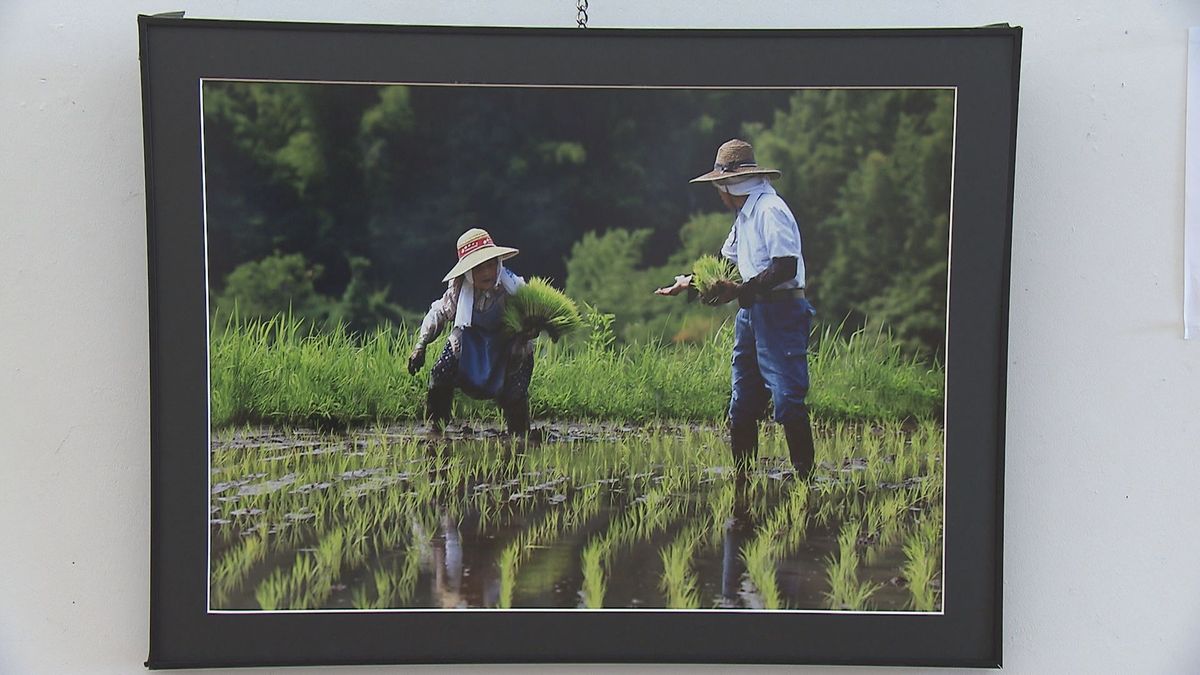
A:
(361, 307)
(263, 288)
(868, 175)
(608, 271)
(373, 184)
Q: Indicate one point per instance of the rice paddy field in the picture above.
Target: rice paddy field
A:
(343, 500)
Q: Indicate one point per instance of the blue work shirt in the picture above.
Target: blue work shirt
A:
(764, 228)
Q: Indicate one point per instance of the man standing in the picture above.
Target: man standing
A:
(770, 350)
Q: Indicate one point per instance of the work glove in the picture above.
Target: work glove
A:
(416, 360)
(721, 293)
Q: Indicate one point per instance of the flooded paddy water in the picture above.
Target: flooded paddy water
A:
(580, 516)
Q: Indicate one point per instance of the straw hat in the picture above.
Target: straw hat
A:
(735, 158)
(476, 246)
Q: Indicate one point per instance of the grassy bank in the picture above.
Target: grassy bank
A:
(275, 372)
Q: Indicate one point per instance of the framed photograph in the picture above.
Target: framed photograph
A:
(560, 345)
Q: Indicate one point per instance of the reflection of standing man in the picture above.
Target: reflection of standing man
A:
(739, 529)
(770, 350)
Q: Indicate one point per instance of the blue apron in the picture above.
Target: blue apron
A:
(484, 353)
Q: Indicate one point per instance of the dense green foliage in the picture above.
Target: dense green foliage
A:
(343, 202)
(869, 181)
(259, 289)
(279, 372)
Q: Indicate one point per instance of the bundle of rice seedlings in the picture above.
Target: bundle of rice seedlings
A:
(709, 271)
(537, 306)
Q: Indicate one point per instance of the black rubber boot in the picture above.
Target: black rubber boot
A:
(799, 436)
(437, 406)
(516, 417)
(743, 442)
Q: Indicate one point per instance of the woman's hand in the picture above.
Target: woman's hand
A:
(416, 360)
(682, 283)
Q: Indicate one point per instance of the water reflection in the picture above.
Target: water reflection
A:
(739, 528)
(652, 521)
(461, 576)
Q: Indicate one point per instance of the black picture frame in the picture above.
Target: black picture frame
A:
(982, 64)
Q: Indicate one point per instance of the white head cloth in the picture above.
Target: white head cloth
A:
(740, 187)
(466, 293)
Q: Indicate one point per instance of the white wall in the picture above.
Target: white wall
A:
(1103, 484)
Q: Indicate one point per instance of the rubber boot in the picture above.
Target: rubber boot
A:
(516, 417)
(743, 442)
(799, 436)
(437, 406)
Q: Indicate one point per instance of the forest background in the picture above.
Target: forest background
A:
(342, 203)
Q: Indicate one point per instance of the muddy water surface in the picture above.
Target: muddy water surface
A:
(582, 517)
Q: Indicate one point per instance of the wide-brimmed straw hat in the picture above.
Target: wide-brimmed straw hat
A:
(735, 158)
(476, 246)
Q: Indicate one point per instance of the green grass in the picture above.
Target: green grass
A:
(276, 372)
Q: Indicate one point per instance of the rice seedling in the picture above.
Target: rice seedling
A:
(516, 552)
(720, 508)
(368, 504)
(651, 512)
(920, 567)
(760, 568)
(409, 574)
(555, 525)
(537, 306)
(780, 534)
(889, 513)
(593, 559)
(231, 570)
(790, 522)
(678, 579)
(385, 587)
(271, 592)
(922, 554)
(845, 589)
(330, 553)
(359, 600)
(709, 271)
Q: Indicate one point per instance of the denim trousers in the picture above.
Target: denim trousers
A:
(513, 389)
(770, 360)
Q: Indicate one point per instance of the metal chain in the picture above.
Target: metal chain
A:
(581, 16)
